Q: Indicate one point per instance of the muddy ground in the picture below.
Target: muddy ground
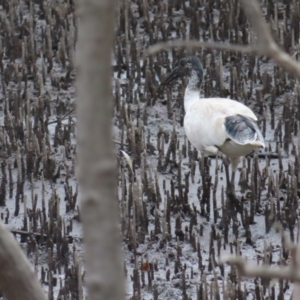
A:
(172, 202)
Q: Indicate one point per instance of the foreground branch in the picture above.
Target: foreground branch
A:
(295, 255)
(265, 45)
(208, 45)
(17, 278)
(96, 162)
(265, 272)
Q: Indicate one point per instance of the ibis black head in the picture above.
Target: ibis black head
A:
(189, 66)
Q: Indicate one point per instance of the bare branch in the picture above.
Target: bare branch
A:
(266, 45)
(266, 42)
(17, 278)
(295, 265)
(63, 117)
(285, 61)
(96, 162)
(254, 14)
(266, 272)
(195, 45)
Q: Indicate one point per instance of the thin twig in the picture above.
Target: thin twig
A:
(270, 155)
(63, 117)
(37, 235)
(119, 143)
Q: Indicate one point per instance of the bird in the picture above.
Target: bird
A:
(216, 125)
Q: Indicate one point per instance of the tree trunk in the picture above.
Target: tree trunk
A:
(96, 162)
(17, 278)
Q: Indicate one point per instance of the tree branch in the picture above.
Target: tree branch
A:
(96, 162)
(295, 255)
(196, 44)
(266, 272)
(254, 14)
(17, 278)
(265, 43)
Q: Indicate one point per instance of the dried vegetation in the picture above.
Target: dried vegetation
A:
(38, 192)
(172, 201)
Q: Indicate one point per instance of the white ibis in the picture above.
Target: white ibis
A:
(215, 125)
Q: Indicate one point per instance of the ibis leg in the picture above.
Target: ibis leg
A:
(230, 190)
(232, 178)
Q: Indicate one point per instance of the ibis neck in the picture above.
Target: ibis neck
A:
(192, 91)
(190, 96)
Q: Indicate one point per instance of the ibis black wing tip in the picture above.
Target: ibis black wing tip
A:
(242, 129)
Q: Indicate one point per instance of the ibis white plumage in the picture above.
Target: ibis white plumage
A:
(215, 125)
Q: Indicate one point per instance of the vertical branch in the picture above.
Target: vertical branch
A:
(96, 165)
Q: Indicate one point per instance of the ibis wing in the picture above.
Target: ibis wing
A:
(242, 130)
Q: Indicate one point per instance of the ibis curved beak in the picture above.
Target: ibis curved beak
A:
(175, 74)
